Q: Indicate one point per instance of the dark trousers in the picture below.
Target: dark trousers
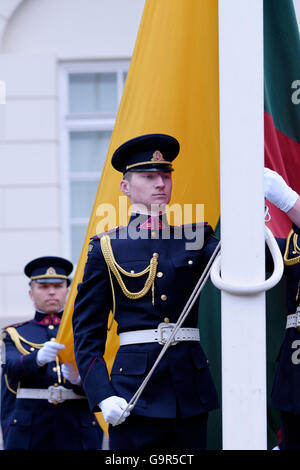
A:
(143, 433)
(290, 431)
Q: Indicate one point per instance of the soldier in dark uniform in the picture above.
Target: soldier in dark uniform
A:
(43, 405)
(144, 273)
(285, 394)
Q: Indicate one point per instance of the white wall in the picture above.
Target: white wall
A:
(74, 28)
(35, 35)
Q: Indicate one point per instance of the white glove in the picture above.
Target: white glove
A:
(48, 352)
(70, 373)
(278, 192)
(112, 408)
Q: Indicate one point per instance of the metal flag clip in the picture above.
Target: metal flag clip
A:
(267, 214)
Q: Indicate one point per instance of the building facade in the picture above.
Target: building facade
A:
(63, 64)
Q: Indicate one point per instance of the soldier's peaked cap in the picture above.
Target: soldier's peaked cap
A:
(49, 269)
(149, 152)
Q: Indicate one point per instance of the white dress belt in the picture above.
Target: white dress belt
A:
(159, 335)
(293, 320)
(53, 394)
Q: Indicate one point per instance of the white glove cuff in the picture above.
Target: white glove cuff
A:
(288, 201)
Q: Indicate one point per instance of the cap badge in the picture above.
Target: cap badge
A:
(51, 271)
(157, 156)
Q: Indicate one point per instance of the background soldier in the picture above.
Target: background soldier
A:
(43, 405)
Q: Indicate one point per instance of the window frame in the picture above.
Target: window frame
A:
(81, 122)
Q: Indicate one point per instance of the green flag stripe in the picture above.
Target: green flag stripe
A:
(282, 66)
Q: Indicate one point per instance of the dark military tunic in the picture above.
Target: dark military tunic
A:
(36, 424)
(285, 392)
(181, 384)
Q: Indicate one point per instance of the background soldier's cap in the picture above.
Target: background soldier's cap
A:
(150, 152)
(49, 269)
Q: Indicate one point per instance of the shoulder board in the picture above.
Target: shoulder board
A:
(15, 325)
(113, 230)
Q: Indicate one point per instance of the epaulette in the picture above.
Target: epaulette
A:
(292, 250)
(16, 325)
(108, 232)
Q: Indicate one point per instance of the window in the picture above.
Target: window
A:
(90, 96)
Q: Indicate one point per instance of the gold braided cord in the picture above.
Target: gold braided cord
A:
(58, 369)
(17, 338)
(8, 386)
(114, 301)
(115, 268)
(291, 261)
(49, 276)
(295, 243)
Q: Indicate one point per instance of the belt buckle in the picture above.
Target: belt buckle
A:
(56, 394)
(163, 328)
(298, 319)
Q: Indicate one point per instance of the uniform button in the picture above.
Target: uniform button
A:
(15, 421)
(51, 327)
(155, 255)
(163, 297)
(52, 339)
(54, 369)
(166, 320)
(159, 274)
(132, 271)
(94, 423)
(31, 349)
(153, 234)
(121, 369)
(55, 385)
(190, 261)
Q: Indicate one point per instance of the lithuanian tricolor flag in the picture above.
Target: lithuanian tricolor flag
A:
(173, 87)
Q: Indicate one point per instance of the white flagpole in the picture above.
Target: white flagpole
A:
(242, 223)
